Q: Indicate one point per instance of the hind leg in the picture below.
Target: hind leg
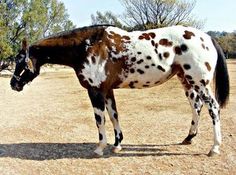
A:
(196, 105)
(214, 111)
(112, 111)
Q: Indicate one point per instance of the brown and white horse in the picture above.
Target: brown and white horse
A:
(105, 58)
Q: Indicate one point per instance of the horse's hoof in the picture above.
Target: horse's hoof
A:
(213, 154)
(116, 149)
(186, 142)
(98, 152)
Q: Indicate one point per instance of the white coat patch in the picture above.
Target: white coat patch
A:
(94, 72)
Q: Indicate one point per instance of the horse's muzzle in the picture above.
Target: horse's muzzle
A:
(15, 85)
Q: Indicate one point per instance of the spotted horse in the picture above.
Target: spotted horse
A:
(106, 58)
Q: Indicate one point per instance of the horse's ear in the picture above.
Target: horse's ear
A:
(24, 44)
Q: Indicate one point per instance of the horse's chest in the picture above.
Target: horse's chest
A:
(93, 72)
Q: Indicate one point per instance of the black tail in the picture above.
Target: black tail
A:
(221, 77)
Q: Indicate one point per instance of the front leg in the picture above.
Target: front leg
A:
(98, 102)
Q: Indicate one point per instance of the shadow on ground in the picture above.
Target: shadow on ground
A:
(52, 151)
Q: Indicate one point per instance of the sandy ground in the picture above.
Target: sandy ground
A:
(49, 128)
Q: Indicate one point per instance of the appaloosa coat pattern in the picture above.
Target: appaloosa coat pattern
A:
(106, 58)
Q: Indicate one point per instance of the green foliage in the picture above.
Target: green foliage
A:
(148, 14)
(33, 19)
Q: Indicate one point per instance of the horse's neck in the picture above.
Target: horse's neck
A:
(69, 49)
(68, 56)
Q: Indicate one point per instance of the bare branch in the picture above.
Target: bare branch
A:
(158, 13)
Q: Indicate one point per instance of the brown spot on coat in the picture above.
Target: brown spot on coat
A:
(166, 54)
(208, 66)
(90, 80)
(141, 37)
(177, 50)
(161, 68)
(165, 42)
(204, 83)
(160, 56)
(153, 35)
(203, 46)
(149, 57)
(133, 59)
(140, 61)
(146, 36)
(197, 88)
(191, 82)
(188, 77)
(156, 45)
(131, 85)
(132, 70)
(187, 66)
(188, 34)
(93, 59)
(153, 43)
(192, 96)
(186, 93)
(126, 37)
(184, 48)
(140, 71)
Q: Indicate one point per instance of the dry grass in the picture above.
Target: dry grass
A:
(49, 128)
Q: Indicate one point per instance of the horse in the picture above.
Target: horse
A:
(105, 58)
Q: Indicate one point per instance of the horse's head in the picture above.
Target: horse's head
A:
(25, 69)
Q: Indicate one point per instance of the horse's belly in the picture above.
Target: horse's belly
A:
(145, 78)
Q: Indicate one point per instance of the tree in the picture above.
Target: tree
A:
(227, 41)
(148, 14)
(33, 19)
(106, 18)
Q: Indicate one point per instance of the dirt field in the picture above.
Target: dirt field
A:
(49, 128)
